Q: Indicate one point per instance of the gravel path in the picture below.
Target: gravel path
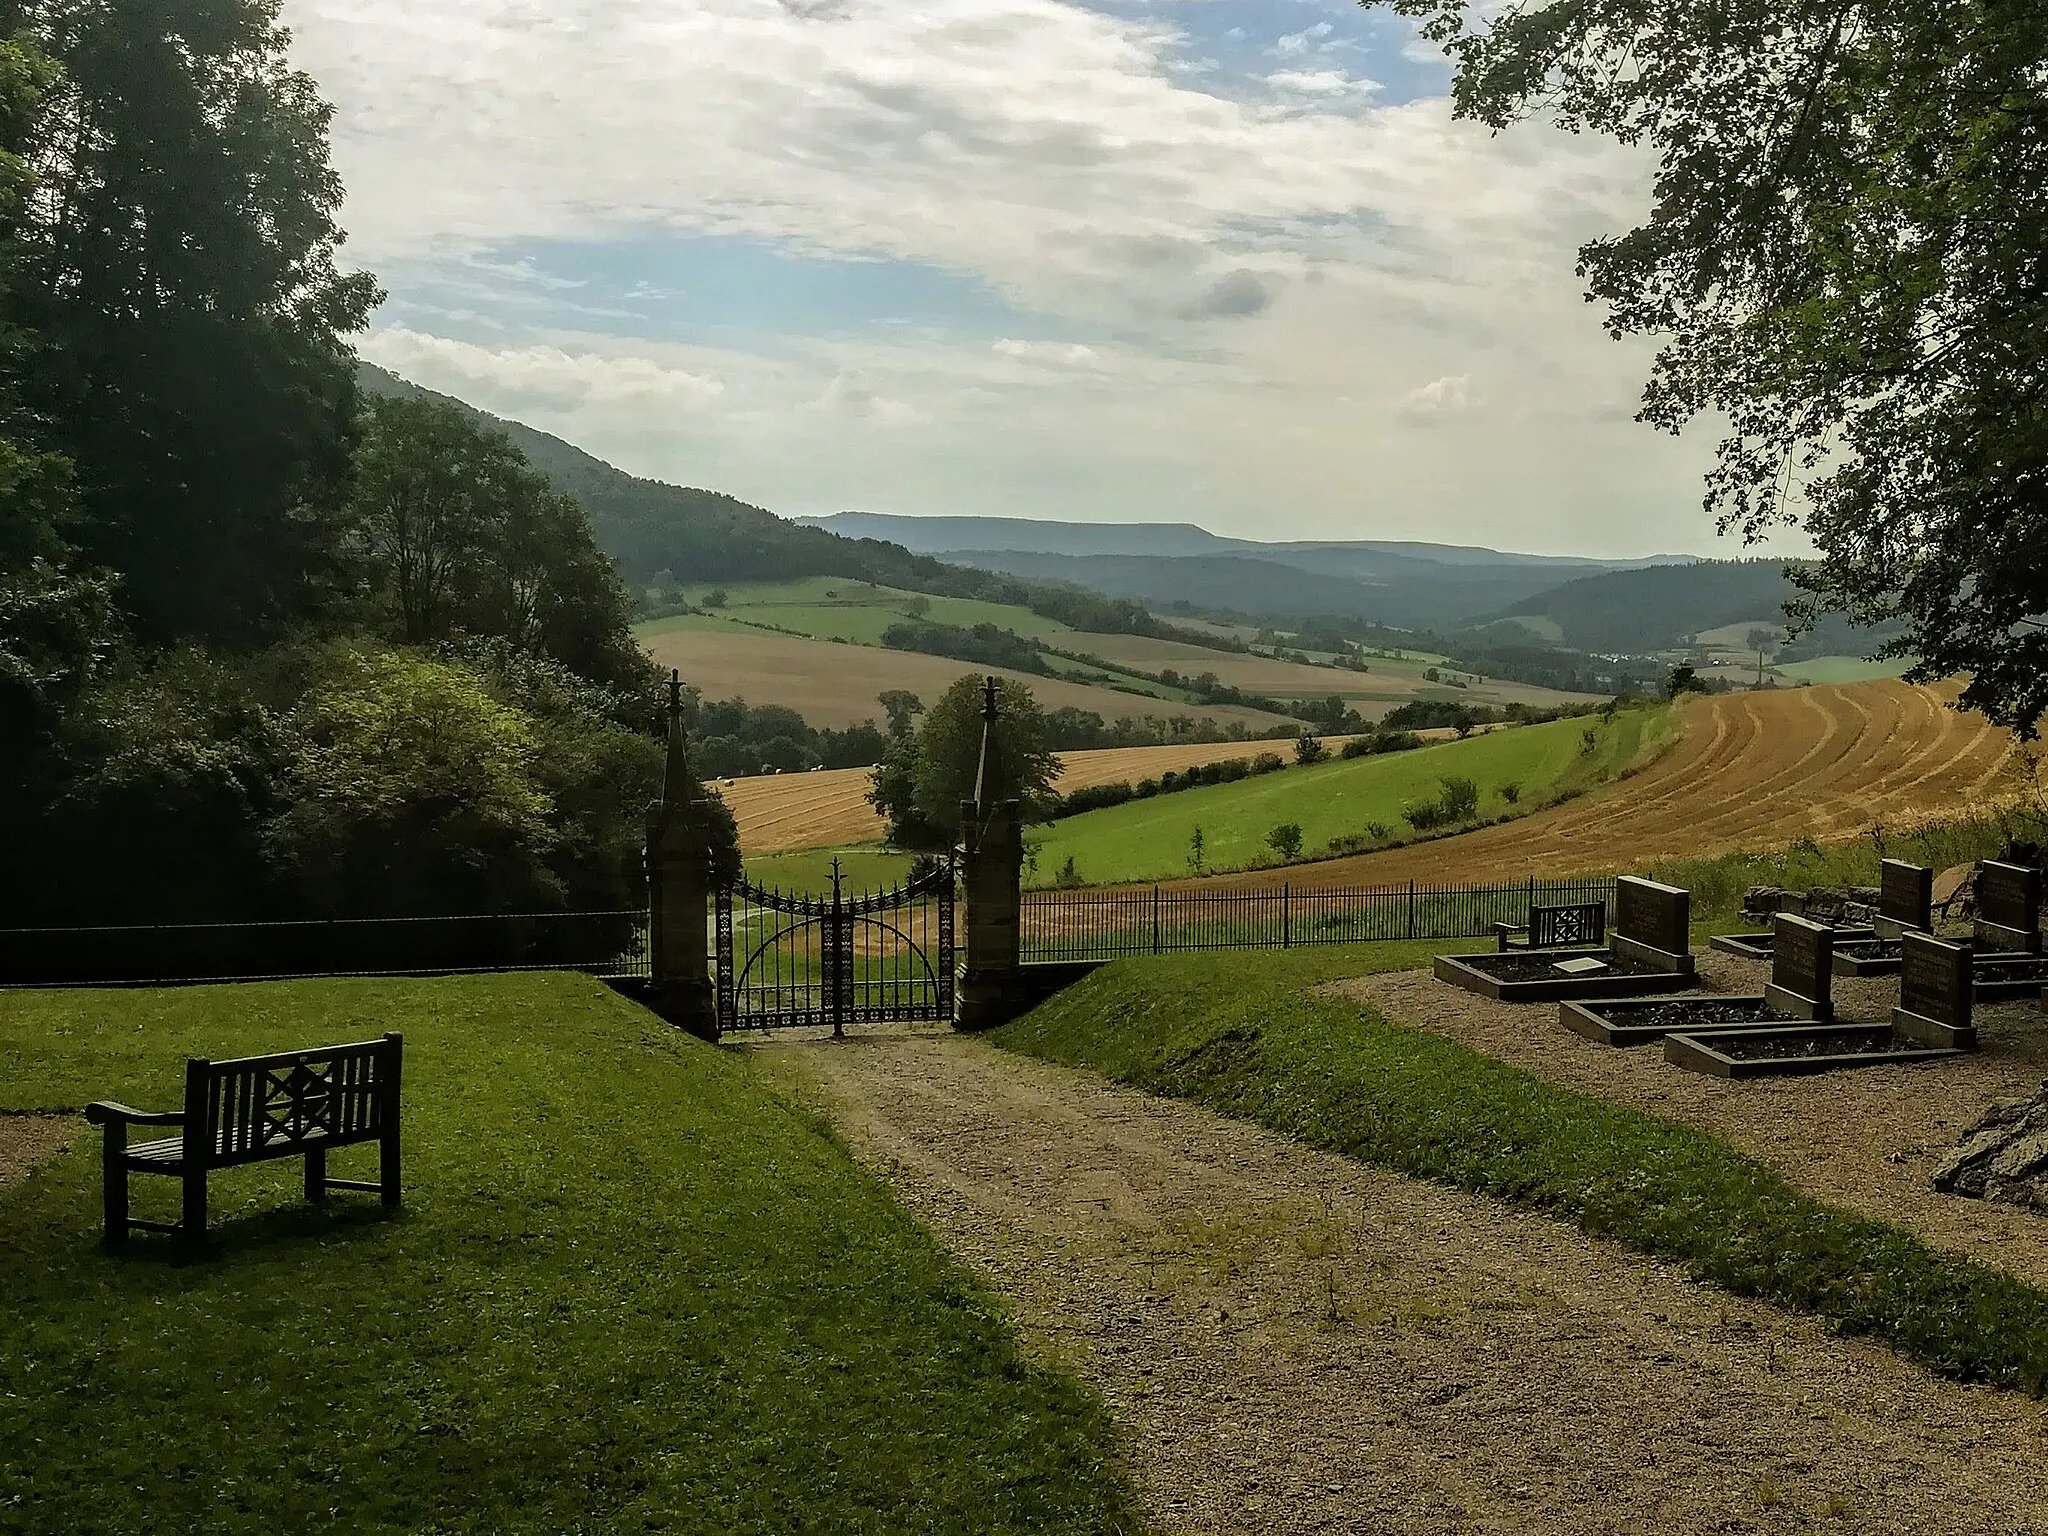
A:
(1297, 1343)
(1866, 1139)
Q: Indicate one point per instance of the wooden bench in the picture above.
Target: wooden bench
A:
(254, 1110)
(1574, 927)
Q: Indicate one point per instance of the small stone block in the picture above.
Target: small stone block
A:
(1583, 966)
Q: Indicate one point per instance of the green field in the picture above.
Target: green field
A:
(1148, 839)
(863, 867)
(840, 608)
(631, 1289)
(1841, 669)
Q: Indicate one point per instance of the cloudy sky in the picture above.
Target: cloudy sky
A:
(1226, 261)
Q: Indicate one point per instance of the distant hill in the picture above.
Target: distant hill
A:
(649, 526)
(1409, 593)
(1354, 557)
(1652, 609)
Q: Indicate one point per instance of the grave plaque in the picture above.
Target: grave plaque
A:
(1905, 899)
(1802, 969)
(1652, 923)
(1935, 993)
(2009, 906)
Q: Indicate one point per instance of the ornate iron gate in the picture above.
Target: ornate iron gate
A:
(789, 959)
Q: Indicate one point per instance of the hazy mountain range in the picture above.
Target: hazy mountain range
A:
(660, 532)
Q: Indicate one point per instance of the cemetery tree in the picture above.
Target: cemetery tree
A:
(1843, 263)
(461, 536)
(173, 278)
(924, 778)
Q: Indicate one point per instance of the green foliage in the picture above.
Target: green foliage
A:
(632, 1289)
(175, 281)
(1243, 1035)
(1285, 840)
(1683, 679)
(1843, 266)
(1309, 750)
(462, 537)
(1198, 851)
(922, 782)
(985, 645)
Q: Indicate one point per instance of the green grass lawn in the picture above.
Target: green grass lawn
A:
(1148, 839)
(1239, 1033)
(1841, 669)
(840, 608)
(631, 1289)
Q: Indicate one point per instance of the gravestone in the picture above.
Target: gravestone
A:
(1905, 899)
(1934, 993)
(1802, 969)
(2008, 907)
(1652, 925)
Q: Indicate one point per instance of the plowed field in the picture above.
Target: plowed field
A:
(1751, 770)
(779, 813)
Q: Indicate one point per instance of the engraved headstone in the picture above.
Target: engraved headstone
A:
(1652, 924)
(1935, 993)
(1802, 969)
(1905, 899)
(2009, 907)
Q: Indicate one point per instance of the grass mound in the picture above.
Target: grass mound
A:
(1238, 1033)
(630, 1290)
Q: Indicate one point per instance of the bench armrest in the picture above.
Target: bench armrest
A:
(105, 1112)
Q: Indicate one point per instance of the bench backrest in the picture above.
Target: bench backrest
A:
(1563, 927)
(259, 1107)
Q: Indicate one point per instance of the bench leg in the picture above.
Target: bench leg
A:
(387, 1166)
(316, 1175)
(192, 1221)
(114, 1185)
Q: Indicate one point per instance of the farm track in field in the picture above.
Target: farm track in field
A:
(1750, 771)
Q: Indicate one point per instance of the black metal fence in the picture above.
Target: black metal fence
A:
(600, 943)
(1103, 924)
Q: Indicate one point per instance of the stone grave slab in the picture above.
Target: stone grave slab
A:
(1935, 993)
(1653, 924)
(1802, 969)
(2008, 908)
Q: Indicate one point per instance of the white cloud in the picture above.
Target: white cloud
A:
(537, 375)
(1439, 397)
(1260, 263)
(1304, 40)
(1320, 82)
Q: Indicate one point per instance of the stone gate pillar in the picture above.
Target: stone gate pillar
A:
(679, 888)
(992, 888)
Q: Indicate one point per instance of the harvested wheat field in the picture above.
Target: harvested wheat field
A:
(1749, 771)
(783, 812)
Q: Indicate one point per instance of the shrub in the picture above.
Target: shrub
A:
(1069, 878)
(1285, 840)
(1426, 817)
(1309, 749)
(1459, 797)
(1511, 792)
(1268, 762)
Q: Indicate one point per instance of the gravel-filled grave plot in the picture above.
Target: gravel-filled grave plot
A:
(1640, 1020)
(2004, 978)
(1297, 1343)
(1868, 1139)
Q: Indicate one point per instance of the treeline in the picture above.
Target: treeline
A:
(265, 650)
